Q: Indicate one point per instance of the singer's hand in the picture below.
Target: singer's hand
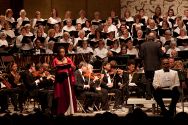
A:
(86, 86)
(110, 85)
(98, 88)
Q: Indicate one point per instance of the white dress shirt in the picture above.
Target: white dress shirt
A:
(3, 42)
(112, 28)
(20, 20)
(82, 50)
(35, 21)
(132, 51)
(68, 29)
(81, 21)
(102, 53)
(166, 79)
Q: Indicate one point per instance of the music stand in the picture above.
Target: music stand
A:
(57, 45)
(121, 60)
(137, 77)
(183, 54)
(60, 77)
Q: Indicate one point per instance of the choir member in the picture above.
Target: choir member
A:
(82, 19)
(84, 48)
(144, 18)
(54, 19)
(9, 16)
(22, 18)
(157, 16)
(37, 18)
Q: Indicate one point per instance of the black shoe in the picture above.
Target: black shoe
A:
(16, 109)
(148, 97)
(4, 111)
(117, 107)
(164, 112)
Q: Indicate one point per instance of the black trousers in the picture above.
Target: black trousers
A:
(103, 99)
(89, 98)
(16, 95)
(149, 79)
(4, 100)
(161, 93)
(117, 96)
(46, 97)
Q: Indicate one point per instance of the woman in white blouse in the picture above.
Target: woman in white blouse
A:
(22, 18)
(54, 17)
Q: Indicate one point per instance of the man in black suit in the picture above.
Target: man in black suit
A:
(108, 84)
(150, 53)
(123, 81)
(84, 89)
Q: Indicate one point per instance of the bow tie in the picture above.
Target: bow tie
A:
(166, 70)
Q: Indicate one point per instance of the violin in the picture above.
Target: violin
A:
(4, 81)
(37, 74)
(92, 76)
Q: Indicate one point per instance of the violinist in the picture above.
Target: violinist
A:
(84, 88)
(127, 77)
(94, 80)
(120, 83)
(29, 81)
(4, 90)
(46, 86)
(108, 84)
(14, 78)
(9, 88)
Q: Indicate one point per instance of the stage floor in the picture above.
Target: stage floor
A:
(147, 108)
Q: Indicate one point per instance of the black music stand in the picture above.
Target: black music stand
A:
(60, 77)
(183, 54)
(57, 45)
(137, 78)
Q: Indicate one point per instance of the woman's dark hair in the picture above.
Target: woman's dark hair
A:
(171, 10)
(59, 49)
(28, 66)
(10, 66)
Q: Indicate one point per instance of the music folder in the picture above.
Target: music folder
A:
(183, 54)
(96, 23)
(25, 22)
(13, 24)
(57, 45)
(74, 34)
(41, 23)
(65, 66)
(27, 39)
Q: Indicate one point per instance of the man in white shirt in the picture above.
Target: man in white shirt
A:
(166, 83)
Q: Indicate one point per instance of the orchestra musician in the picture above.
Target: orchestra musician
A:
(64, 84)
(46, 86)
(107, 83)
(14, 78)
(84, 86)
